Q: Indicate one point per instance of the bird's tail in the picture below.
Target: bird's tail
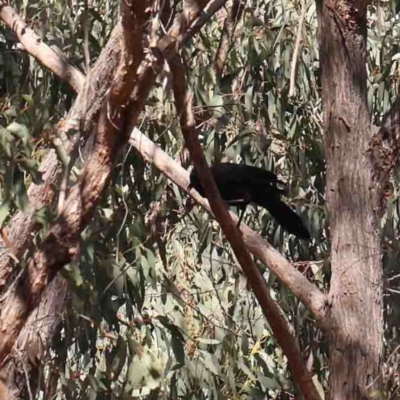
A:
(285, 216)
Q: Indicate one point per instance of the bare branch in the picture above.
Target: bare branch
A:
(85, 109)
(271, 310)
(292, 86)
(52, 59)
(187, 24)
(169, 45)
(312, 298)
(212, 7)
(234, 13)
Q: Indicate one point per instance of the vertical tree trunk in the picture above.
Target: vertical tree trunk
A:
(355, 337)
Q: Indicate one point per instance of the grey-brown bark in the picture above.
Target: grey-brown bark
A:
(61, 242)
(34, 340)
(60, 245)
(355, 318)
(21, 226)
(234, 14)
(80, 118)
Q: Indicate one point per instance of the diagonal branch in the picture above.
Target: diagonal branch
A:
(234, 13)
(271, 256)
(271, 310)
(52, 59)
(42, 322)
(85, 110)
(305, 291)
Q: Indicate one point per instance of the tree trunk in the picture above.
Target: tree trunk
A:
(356, 322)
(34, 340)
(19, 232)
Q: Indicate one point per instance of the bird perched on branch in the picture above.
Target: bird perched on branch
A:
(241, 185)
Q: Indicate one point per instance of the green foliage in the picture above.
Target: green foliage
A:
(158, 306)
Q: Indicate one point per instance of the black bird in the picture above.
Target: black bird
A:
(241, 184)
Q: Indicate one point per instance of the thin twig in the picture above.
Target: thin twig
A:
(292, 86)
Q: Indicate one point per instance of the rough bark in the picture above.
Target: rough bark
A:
(61, 243)
(355, 318)
(235, 12)
(19, 231)
(34, 341)
(80, 118)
